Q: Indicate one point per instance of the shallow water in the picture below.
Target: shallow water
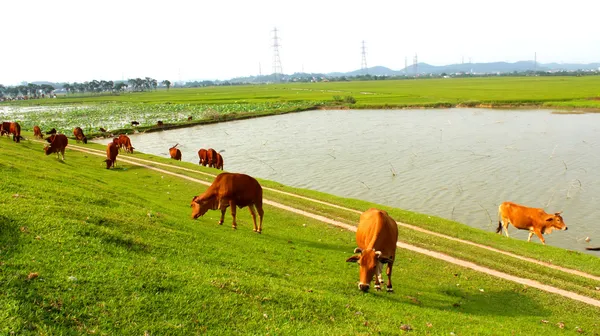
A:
(453, 163)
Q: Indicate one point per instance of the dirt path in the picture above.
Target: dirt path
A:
(412, 227)
(437, 255)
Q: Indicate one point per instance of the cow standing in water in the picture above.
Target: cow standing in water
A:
(175, 153)
(112, 150)
(231, 190)
(376, 238)
(536, 220)
(58, 143)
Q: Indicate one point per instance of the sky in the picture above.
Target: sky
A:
(77, 41)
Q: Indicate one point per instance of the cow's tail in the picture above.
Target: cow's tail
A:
(499, 229)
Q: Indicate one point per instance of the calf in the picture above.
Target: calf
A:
(376, 238)
(78, 133)
(37, 132)
(203, 155)
(112, 150)
(536, 220)
(231, 190)
(175, 153)
(58, 143)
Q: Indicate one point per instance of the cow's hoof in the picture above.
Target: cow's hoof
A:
(259, 232)
(390, 290)
(378, 288)
(220, 223)
(234, 227)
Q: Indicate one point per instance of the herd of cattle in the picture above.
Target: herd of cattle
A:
(377, 232)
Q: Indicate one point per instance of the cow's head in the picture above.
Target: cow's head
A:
(556, 222)
(108, 163)
(48, 149)
(201, 204)
(85, 140)
(369, 260)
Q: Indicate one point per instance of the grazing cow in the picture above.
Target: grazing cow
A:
(231, 190)
(159, 123)
(52, 131)
(533, 219)
(125, 143)
(134, 123)
(211, 156)
(58, 143)
(219, 163)
(102, 130)
(15, 130)
(175, 153)
(37, 132)
(78, 133)
(190, 118)
(203, 155)
(5, 128)
(112, 150)
(376, 238)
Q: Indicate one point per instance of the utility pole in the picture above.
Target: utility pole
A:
(363, 64)
(277, 69)
(415, 62)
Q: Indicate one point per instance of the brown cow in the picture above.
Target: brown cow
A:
(203, 155)
(376, 238)
(533, 219)
(175, 153)
(219, 163)
(160, 123)
(211, 157)
(52, 131)
(78, 133)
(58, 143)
(15, 130)
(5, 128)
(231, 190)
(112, 150)
(37, 132)
(125, 143)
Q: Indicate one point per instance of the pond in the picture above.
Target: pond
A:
(458, 164)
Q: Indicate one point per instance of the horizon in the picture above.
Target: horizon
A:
(184, 40)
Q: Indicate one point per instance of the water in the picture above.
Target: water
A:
(453, 163)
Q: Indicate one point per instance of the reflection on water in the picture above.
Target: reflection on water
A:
(454, 163)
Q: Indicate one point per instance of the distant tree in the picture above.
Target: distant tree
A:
(166, 83)
(120, 86)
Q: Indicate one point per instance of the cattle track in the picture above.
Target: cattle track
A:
(441, 256)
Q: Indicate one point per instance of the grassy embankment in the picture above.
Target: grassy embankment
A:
(115, 252)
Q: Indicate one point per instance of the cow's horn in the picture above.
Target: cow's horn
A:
(358, 250)
(378, 253)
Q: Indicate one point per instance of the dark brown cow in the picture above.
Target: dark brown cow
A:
(112, 150)
(58, 143)
(533, 219)
(15, 130)
(219, 163)
(102, 130)
(78, 133)
(160, 123)
(231, 190)
(175, 153)
(125, 143)
(37, 132)
(211, 156)
(190, 118)
(5, 128)
(134, 123)
(52, 131)
(376, 237)
(203, 155)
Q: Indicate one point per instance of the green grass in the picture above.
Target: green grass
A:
(117, 253)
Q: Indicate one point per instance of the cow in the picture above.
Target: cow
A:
(190, 118)
(175, 153)
(219, 163)
(159, 123)
(231, 190)
(78, 133)
(102, 130)
(211, 157)
(112, 150)
(37, 132)
(52, 131)
(203, 155)
(134, 123)
(125, 143)
(533, 219)
(58, 143)
(15, 130)
(5, 128)
(376, 237)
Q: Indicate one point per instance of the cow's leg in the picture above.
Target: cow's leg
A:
(378, 279)
(253, 213)
(530, 235)
(260, 215)
(233, 209)
(62, 152)
(539, 234)
(388, 272)
(223, 209)
(505, 223)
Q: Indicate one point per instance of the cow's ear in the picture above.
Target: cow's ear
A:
(384, 260)
(358, 250)
(558, 213)
(196, 199)
(353, 259)
(550, 219)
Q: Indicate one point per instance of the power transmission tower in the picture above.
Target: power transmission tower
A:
(277, 69)
(415, 62)
(363, 63)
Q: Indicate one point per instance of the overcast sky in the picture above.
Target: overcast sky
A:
(174, 39)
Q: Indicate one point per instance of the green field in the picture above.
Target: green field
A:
(116, 253)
